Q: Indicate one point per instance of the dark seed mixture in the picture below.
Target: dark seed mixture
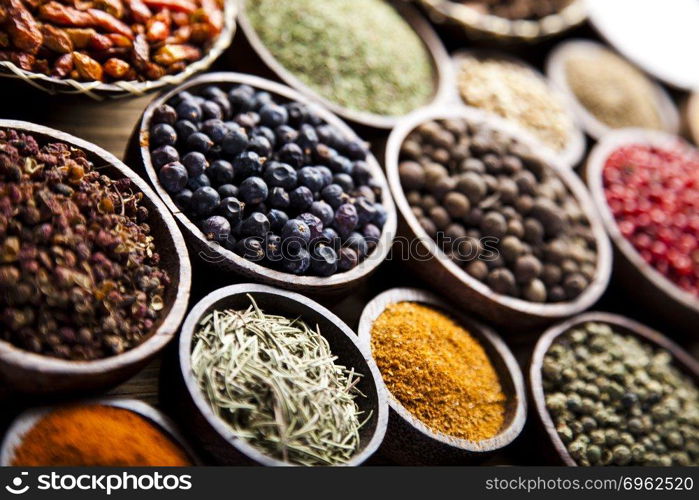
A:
(498, 210)
(615, 400)
(79, 273)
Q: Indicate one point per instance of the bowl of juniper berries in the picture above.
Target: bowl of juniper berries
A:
(266, 184)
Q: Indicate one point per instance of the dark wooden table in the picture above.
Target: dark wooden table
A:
(109, 124)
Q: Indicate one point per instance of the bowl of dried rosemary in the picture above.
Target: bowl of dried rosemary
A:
(273, 378)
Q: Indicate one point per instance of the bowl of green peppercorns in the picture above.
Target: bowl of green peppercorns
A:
(611, 391)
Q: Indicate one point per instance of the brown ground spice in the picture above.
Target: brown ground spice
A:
(438, 371)
(97, 435)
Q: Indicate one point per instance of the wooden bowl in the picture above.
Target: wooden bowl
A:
(28, 419)
(556, 71)
(440, 66)
(100, 90)
(574, 151)
(26, 372)
(214, 435)
(408, 440)
(437, 269)
(225, 260)
(474, 24)
(640, 280)
(692, 117)
(682, 359)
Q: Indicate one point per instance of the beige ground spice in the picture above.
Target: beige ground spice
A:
(438, 371)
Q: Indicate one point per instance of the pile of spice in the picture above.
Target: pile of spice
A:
(361, 54)
(616, 400)
(276, 383)
(498, 210)
(518, 9)
(97, 436)
(267, 180)
(653, 194)
(438, 371)
(517, 93)
(79, 271)
(108, 40)
(611, 89)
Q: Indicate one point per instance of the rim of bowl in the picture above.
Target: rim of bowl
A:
(652, 337)
(484, 334)
(574, 151)
(575, 186)
(441, 72)
(555, 71)
(279, 278)
(167, 329)
(218, 424)
(25, 422)
(594, 170)
(509, 29)
(96, 90)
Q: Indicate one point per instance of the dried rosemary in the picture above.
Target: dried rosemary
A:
(274, 380)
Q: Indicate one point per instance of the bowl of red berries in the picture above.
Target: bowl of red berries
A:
(646, 187)
(267, 184)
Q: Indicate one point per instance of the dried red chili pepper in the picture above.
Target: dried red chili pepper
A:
(178, 5)
(110, 23)
(158, 27)
(62, 66)
(116, 68)
(96, 31)
(22, 27)
(140, 11)
(170, 54)
(56, 39)
(87, 67)
(100, 42)
(65, 16)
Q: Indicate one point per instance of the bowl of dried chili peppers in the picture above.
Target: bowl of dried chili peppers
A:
(111, 48)
(94, 273)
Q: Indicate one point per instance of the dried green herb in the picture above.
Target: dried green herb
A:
(275, 382)
(361, 54)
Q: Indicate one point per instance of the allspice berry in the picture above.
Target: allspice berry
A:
(527, 268)
(535, 291)
(494, 224)
(412, 175)
(478, 269)
(502, 281)
(457, 204)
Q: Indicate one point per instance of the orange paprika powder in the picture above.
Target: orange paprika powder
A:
(97, 435)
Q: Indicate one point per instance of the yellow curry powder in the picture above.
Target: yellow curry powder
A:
(438, 371)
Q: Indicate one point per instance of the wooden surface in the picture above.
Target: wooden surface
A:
(222, 259)
(109, 124)
(409, 441)
(620, 324)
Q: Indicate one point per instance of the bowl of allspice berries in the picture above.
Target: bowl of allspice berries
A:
(502, 227)
(94, 274)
